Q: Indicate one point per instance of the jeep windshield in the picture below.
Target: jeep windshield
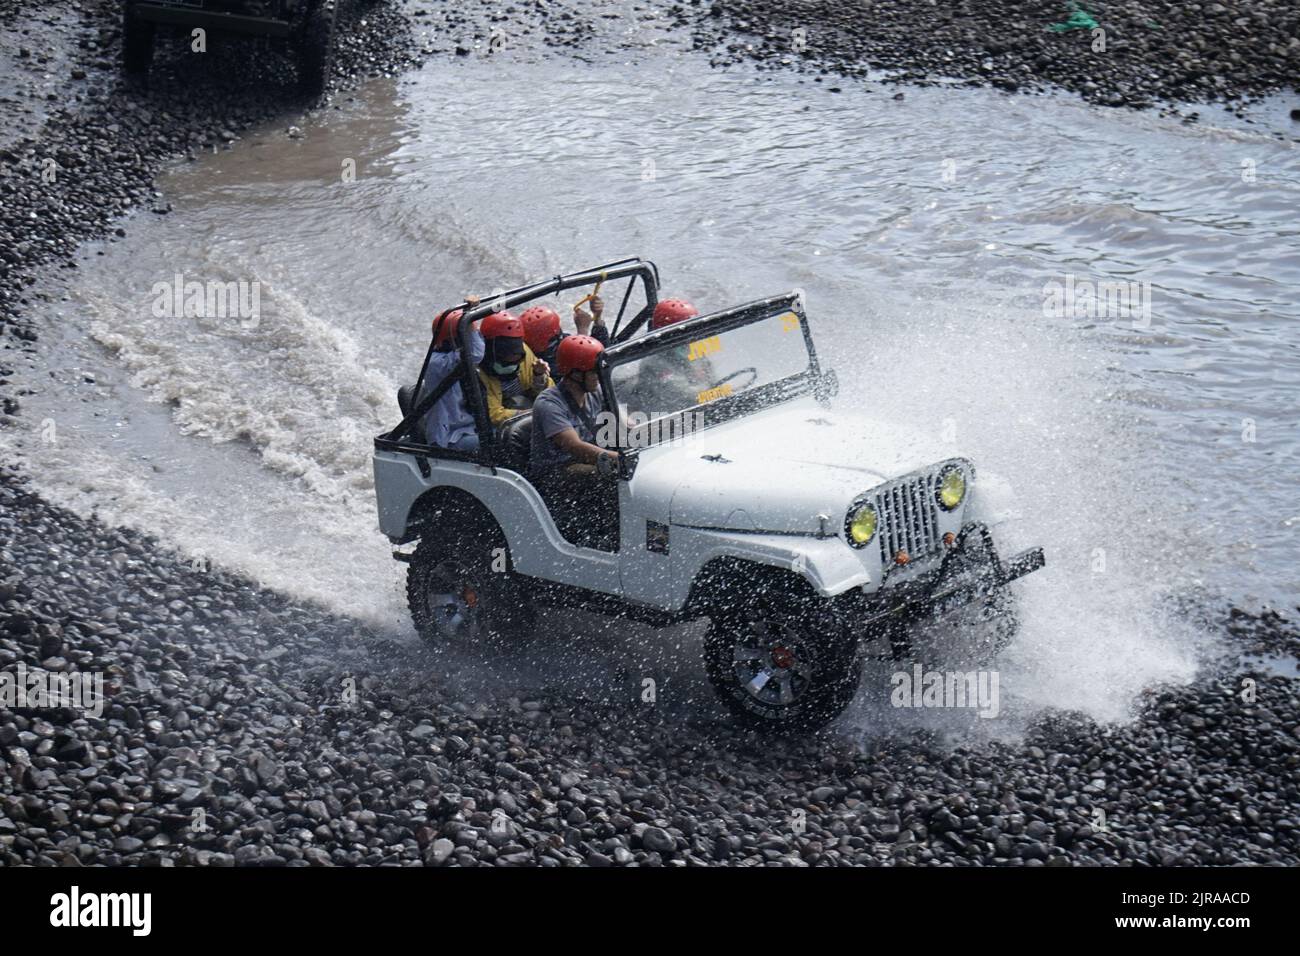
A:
(712, 368)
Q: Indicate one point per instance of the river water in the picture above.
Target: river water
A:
(1155, 452)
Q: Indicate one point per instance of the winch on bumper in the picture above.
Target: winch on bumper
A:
(970, 570)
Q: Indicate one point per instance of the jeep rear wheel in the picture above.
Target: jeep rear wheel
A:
(137, 41)
(460, 591)
(781, 668)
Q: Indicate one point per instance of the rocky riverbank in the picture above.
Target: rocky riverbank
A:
(244, 728)
(1135, 53)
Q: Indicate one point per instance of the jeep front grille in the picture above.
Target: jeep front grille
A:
(909, 519)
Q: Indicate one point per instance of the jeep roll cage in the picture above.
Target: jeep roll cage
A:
(401, 438)
(624, 349)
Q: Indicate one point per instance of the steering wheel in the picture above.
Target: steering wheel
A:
(748, 369)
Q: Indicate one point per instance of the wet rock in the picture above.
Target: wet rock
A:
(441, 851)
(658, 840)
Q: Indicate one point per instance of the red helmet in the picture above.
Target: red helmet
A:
(577, 353)
(672, 310)
(502, 325)
(541, 326)
(444, 327)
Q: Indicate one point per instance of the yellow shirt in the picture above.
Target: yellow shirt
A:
(498, 413)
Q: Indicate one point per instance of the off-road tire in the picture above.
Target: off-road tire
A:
(466, 557)
(137, 42)
(315, 48)
(822, 642)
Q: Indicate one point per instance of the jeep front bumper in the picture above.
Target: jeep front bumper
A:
(970, 570)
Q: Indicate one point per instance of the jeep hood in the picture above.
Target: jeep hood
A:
(779, 469)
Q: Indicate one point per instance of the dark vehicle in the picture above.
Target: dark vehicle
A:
(306, 25)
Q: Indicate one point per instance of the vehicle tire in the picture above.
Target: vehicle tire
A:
(314, 48)
(457, 596)
(137, 42)
(780, 663)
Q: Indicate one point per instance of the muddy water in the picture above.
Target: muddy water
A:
(1156, 455)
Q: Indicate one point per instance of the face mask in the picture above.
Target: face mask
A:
(500, 369)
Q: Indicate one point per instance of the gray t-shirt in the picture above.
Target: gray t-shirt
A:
(552, 414)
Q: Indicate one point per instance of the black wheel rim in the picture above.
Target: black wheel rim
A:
(454, 602)
(772, 664)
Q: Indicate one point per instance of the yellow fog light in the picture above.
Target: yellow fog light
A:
(952, 488)
(862, 525)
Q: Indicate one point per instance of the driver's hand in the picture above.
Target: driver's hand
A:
(541, 370)
(471, 300)
(607, 464)
(597, 307)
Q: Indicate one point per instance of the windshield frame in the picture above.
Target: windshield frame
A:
(812, 380)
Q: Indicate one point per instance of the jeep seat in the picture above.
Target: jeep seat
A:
(516, 441)
(406, 402)
(406, 399)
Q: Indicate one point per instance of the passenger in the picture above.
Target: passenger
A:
(449, 423)
(512, 375)
(668, 311)
(671, 380)
(565, 457)
(543, 334)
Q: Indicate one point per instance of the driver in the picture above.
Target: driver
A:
(511, 374)
(565, 459)
(671, 380)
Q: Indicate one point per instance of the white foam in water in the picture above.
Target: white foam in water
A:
(1029, 401)
(309, 409)
(308, 413)
(244, 535)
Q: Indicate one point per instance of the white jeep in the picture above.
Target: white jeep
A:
(808, 537)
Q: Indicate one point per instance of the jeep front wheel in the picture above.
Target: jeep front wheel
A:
(458, 595)
(781, 668)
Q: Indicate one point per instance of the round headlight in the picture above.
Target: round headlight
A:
(862, 525)
(951, 489)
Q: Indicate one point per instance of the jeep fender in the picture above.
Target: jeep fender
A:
(829, 565)
(536, 545)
